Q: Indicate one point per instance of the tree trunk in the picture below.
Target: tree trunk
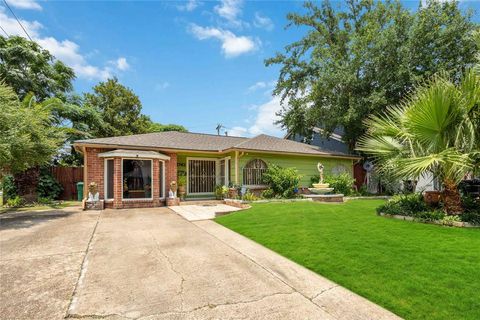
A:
(451, 197)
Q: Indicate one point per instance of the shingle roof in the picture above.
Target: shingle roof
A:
(171, 140)
(265, 142)
(209, 142)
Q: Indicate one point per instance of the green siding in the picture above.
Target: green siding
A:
(306, 166)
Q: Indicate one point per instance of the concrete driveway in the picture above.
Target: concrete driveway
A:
(153, 264)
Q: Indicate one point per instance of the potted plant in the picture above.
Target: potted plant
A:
(182, 182)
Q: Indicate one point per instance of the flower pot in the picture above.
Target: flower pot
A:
(432, 198)
(181, 192)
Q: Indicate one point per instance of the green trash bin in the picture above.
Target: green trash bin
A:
(80, 191)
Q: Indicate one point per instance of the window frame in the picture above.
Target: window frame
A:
(253, 186)
(151, 175)
(161, 182)
(105, 179)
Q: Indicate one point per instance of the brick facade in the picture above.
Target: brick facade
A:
(96, 173)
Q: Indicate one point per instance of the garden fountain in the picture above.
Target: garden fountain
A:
(320, 187)
(321, 191)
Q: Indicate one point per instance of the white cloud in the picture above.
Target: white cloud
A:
(162, 86)
(122, 64)
(25, 4)
(189, 5)
(266, 116)
(238, 131)
(261, 85)
(66, 51)
(263, 122)
(256, 86)
(232, 45)
(264, 22)
(230, 10)
(11, 27)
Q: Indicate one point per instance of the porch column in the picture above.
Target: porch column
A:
(117, 183)
(170, 171)
(156, 183)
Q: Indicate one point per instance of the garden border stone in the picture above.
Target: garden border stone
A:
(459, 224)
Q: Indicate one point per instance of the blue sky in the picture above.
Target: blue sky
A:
(195, 63)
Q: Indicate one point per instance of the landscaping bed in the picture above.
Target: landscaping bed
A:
(416, 270)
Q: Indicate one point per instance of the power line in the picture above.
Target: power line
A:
(21, 25)
(4, 31)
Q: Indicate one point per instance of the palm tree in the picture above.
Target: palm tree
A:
(435, 130)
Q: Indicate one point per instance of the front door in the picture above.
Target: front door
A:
(201, 176)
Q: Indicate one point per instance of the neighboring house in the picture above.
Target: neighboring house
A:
(136, 170)
(333, 143)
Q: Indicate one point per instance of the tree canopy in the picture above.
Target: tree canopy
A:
(356, 62)
(28, 68)
(27, 136)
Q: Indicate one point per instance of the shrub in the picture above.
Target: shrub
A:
(248, 196)
(9, 187)
(15, 202)
(282, 181)
(342, 183)
(47, 186)
(268, 194)
(221, 192)
(471, 217)
(407, 205)
(449, 220)
(472, 210)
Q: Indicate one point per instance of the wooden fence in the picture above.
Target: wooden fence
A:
(68, 178)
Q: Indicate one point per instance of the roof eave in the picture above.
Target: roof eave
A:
(329, 155)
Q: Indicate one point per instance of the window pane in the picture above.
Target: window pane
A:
(137, 179)
(162, 187)
(109, 181)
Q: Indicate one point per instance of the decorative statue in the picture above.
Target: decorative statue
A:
(173, 190)
(93, 195)
(320, 168)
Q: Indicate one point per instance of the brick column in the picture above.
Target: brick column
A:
(170, 171)
(95, 170)
(156, 183)
(117, 183)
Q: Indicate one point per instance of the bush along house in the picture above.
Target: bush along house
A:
(137, 170)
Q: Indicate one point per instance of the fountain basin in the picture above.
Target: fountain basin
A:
(320, 185)
(323, 190)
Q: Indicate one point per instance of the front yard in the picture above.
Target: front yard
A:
(417, 271)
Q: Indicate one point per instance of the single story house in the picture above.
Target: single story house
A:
(136, 170)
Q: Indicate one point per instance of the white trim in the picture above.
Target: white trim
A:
(105, 180)
(162, 183)
(134, 154)
(151, 176)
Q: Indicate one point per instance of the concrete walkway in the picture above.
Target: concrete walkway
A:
(153, 264)
(202, 212)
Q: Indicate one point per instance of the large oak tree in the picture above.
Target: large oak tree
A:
(356, 60)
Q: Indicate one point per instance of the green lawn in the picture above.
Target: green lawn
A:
(59, 205)
(417, 271)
